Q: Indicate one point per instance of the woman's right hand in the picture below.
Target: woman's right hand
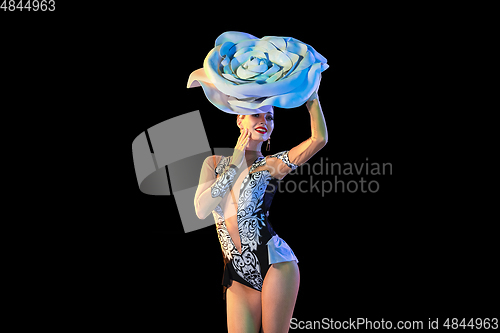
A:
(239, 149)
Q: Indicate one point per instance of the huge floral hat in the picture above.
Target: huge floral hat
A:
(243, 74)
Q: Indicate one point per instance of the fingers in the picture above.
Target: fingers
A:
(246, 139)
(240, 138)
(243, 139)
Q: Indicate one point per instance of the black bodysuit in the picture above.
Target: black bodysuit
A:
(260, 245)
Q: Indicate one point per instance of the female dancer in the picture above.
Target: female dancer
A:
(261, 273)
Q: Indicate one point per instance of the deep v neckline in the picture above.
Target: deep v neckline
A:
(236, 203)
(244, 180)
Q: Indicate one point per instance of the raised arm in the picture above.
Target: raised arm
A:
(301, 153)
(298, 155)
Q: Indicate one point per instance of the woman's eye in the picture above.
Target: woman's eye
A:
(257, 115)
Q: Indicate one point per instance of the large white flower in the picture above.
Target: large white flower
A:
(244, 75)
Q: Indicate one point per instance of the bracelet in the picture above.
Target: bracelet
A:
(224, 182)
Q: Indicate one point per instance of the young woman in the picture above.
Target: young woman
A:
(261, 273)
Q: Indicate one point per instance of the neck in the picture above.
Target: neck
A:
(254, 146)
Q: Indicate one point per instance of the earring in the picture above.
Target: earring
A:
(268, 147)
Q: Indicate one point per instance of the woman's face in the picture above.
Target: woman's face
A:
(260, 125)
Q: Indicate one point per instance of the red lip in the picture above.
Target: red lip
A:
(262, 128)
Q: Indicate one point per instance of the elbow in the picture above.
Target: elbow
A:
(324, 141)
(321, 142)
(201, 216)
(320, 138)
(199, 212)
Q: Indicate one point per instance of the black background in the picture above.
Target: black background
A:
(392, 254)
(396, 254)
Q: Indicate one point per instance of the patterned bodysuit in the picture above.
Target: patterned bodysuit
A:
(260, 245)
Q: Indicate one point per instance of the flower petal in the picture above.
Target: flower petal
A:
(304, 63)
(259, 69)
(243, 50)
(281, 59)
(235, 64)
(257, 54)
(234, 79)
(289, 100)
(195, 78)
(295, 47)
(232, 36)
(217, 98)
(316, 54)
(248, 90)
(294, 59)
(279, 42)
(272, 70)
(275, 77)
(227, 70)
(261, 45)
(243, 58)
(244, 73)
(227, 49)
(211, 67)
(299, 96)
(225, 61)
